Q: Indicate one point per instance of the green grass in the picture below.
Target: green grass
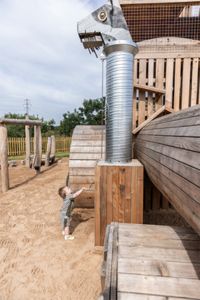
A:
(58, 155)
(62, 154)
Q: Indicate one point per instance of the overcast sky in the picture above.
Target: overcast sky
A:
(42, 59)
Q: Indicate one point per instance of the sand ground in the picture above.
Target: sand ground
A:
(35, 261)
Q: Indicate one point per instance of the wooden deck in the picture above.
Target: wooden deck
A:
(151, 262)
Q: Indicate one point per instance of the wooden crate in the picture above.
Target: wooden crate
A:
(118, 195)
(151, 262)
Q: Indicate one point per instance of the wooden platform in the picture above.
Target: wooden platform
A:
(151, 262)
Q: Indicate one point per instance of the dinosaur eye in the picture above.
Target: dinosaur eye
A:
(102, 16)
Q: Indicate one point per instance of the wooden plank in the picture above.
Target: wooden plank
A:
(81, 179)
(82, 163)
(122, 187)
(48, 152)
(150, 83)
(190, 131)
(169, 82)
(159, 80)
(177, 84)
(155, 1)
(156, 267)
(109, 196)
(21, 122)
(187, 157)
(97, 206)
(183, 114)
(82, 149)
(187, 143)
(152, 242)
(133, 296)
(81, 171)
(195, 69)
(103, 203)
(184, 184)
(177, 123)
(85, 156)
(115, 193)
(184, 170)
(160, 232)
(127, 201)
(142, 81)
(147, 88)
(114, 274)
(186, 83)
(139, 195)
(152, 117)
(107, 290)
(161, 286)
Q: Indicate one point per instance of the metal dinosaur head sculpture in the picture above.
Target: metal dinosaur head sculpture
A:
(104, 25)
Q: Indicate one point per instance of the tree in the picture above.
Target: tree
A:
(92, 112)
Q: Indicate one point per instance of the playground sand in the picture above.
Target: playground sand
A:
(35, 261)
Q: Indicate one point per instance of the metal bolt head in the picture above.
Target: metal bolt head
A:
(102, 15)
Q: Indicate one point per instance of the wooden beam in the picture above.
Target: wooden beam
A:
(48, 152)
(53, 146)
(4, 158)
(21, 122)
(147, 88)
(28, 144)
(123, 2)
(37, 148)
(155, 115)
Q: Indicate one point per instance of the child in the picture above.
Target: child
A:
(65, 213)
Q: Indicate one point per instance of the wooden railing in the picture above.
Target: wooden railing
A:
(16, 146)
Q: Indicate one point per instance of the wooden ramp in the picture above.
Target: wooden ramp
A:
(151, 262)
(87, 148)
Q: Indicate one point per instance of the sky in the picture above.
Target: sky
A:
(42, 58)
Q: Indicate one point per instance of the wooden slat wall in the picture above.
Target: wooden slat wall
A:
(176, 69)
(169, 148)
(87, 147)
(176, 72)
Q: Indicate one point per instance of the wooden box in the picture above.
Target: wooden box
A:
(118, 195)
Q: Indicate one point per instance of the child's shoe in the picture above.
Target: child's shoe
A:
(69, 237)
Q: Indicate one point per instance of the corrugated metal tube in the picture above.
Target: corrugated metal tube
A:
(119, 94)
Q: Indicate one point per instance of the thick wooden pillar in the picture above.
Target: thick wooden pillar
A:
(4, 158)
(28, 144)
(119, 195)
(37, 148)
(48, 152)
(53, 148)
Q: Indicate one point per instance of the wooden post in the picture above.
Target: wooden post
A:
(28, 144)
(118, 195)
(4, 158)
(53, 148)
(48, 153)
(37, 148)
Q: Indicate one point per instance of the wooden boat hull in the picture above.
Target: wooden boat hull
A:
(169, 149)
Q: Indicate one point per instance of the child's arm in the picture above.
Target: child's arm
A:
(78, 192)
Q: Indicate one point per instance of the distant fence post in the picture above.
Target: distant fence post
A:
(4, 158)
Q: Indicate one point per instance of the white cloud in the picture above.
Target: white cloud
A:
(42, 59)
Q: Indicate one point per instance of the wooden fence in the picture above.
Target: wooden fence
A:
(169, 68)
(16, 146)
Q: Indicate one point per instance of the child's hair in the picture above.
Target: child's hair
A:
(61, 192)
